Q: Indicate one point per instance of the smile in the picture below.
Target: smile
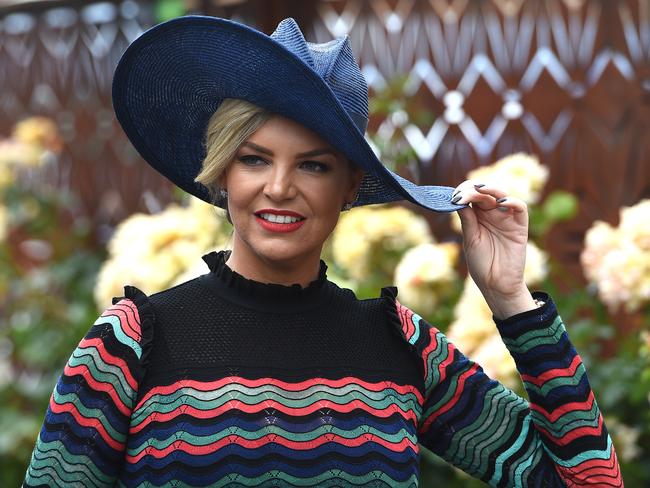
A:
(280, 219)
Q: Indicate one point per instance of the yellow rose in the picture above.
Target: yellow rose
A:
(154, 252)
(617, 259)
(425, 273)
(364, 237)
(38, 131)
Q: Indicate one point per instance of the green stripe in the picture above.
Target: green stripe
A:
(54, 456)
(416, 322)
(324, 431)
(451, 390)
(278, 478)
(214, 399)
(484, 435)
(583, 456)
(90, 413)
(503, 457)
(566, 422)
(104, 373)
(434, 359)
(558, 382)
(536, 337)
(119, 334)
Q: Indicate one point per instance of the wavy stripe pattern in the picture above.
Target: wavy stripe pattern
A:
(86, 426)
(350, 431)
(558, 439)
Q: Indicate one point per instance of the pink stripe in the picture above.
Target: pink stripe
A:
(83, 370)
(243, 407)
(573, 434)
(442, 367)
(554, 373)
(457, 394)
(108, 358)
(300, 386)
(406, 318)
(262, 441)
(566, 408)
(86, 422)
(129, 318)
(593, 472)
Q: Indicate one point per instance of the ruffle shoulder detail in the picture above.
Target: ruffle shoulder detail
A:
(403, 321)
(145, 319)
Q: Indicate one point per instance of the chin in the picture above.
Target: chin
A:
(283, 254)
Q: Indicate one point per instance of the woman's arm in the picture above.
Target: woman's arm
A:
(485, 429)
(559, 437)
(83, 437)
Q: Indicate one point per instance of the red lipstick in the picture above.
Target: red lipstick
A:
(277, 226)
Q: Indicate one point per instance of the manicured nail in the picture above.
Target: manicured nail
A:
(456, 198)
(503, 209)
(501, 200)
(480, 185)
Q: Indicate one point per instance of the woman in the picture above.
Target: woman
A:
(262, 372)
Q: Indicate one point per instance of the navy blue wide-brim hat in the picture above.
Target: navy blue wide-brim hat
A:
(172, 78)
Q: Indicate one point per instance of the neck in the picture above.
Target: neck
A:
(302, 269)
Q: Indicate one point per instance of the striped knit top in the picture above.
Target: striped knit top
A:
(225, 381)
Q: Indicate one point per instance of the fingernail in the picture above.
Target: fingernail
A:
(456, 198)
(480, 185)
(503, 209)
(501, 200)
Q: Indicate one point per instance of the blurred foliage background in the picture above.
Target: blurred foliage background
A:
(56, 275)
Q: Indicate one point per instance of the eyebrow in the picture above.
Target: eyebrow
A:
(314, 152)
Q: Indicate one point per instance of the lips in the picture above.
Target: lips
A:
(275, 220)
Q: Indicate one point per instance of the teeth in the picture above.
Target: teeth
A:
(279, 219)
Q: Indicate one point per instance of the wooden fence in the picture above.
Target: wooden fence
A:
(568, 80)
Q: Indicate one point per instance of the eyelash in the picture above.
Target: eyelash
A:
(252, 159)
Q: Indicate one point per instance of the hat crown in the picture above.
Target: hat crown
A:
(334, 62)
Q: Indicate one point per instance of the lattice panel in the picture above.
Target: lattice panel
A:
(565, 79)
(59, 62)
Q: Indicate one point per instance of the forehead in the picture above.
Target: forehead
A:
(281, 131)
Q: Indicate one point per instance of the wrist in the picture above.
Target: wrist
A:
(504, 306)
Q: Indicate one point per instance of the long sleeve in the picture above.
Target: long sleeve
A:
(556, 438)
(83, 437)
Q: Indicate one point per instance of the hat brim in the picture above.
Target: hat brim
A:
(173, 77)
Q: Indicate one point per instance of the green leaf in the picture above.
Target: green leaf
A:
(560, 205)
(169, 9)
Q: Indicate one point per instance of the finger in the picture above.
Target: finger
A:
(514, 207)
(470, 195)
(487, 189)
(511, 203)
(464, 186)
(468, 221)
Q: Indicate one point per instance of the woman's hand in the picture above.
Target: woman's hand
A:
(495, 233)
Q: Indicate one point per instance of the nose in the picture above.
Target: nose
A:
(280, 184)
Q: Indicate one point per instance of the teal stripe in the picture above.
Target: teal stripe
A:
(583, 456)
(536, 337)
(119, 333)
(416, 321)
(559, 382)
(503, 457)
(527, 463)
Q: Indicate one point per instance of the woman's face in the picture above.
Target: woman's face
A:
(286, 187)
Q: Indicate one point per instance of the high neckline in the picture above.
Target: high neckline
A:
(264, 296)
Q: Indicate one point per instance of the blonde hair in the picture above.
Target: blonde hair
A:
(231, 124)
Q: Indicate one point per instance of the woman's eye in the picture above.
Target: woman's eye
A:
(315, 166)
(251, 160)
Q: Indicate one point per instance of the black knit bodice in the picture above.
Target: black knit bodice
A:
(224, 321)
